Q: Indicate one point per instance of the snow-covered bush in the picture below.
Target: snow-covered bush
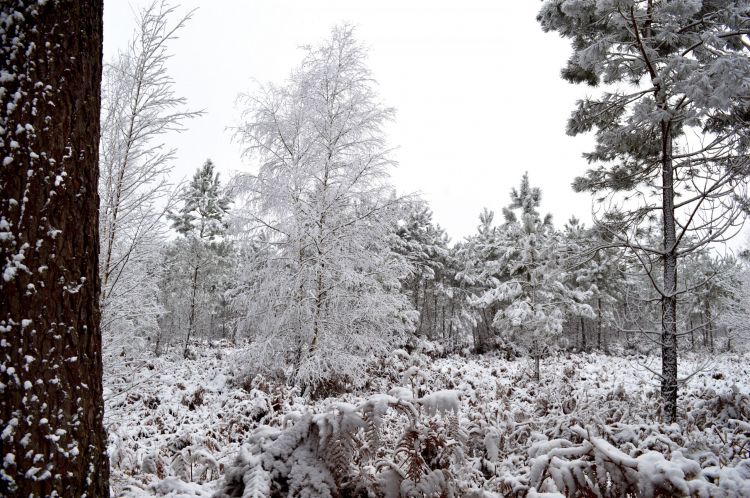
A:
(351, 451)
(472, 426)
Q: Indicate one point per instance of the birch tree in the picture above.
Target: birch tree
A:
(51, 407)
(138, 107)
(671, 130)
(326, 292)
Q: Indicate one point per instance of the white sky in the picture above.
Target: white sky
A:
(475, 82)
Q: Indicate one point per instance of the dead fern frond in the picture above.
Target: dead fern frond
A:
(409, 448)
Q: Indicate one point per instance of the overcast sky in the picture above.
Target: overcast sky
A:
(475, 82)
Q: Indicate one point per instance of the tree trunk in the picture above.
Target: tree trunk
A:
(223, 319)
(319, 297)
(599, 324)
(450, 327)
(191, 318)
(710, 327)
(424, 306)
(669, 299)
(729, 340)
(583, 335)
(482, 346)
(158, 342)
(434, 328)
(628, 334)
(442, 320)
(51, 404)
(692, 332)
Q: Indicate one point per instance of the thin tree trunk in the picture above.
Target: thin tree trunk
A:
(628, 338)
(710, 325)
(320, 291)
(729, 340)
(599, 324)
(111, 225)
(669, 299)
(583, 335)
(450, 327)
(692, 332)
(434, 313)
(442, 320)
(318, 309)
(51, 407)
(223, 320)
(424, 306)
(191, 318)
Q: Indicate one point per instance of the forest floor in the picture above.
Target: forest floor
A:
(175, 425)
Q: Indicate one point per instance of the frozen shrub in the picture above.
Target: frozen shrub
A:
(341, 453)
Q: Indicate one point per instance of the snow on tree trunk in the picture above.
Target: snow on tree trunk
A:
(669, 296)
(674, 109)
(191, 318)
(599, 320)
(51, 406)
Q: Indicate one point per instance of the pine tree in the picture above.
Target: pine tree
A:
(204, 206)
(713, 280)
(425, 247)
(595, 268)
(51, 405)
(479, 271)
(673, 70)
(528, 278)
(201, 222)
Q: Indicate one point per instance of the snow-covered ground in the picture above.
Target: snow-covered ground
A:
(177, 426)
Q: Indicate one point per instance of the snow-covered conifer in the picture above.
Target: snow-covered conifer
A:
(201, 222)
(671, 129)
(529, 288)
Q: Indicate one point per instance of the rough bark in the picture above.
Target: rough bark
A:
(669, 298)
(51, 405)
